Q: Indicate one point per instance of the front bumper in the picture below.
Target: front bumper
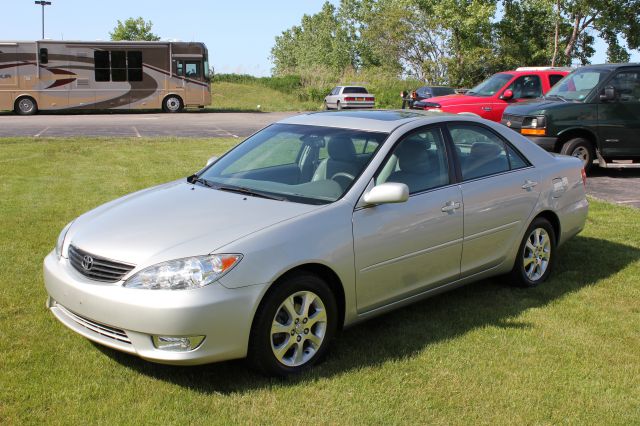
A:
(126, 319)
(547, 143)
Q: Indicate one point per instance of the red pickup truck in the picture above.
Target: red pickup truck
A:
(490, 98)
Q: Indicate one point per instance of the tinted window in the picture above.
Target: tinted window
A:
(554, 78)
(480, 151)
(102, 65)
(192, 69)
(419, 161)
(134, 66)
(423, 92)
(526, 87)
(627, 85)
(44, 55)
(354, 90)
(118, 66)
(516, 161)
(179, 67)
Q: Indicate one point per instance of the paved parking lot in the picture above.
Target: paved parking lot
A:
(617, 186)
(188, 124)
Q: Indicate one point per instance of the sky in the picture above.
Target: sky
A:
(238, 34)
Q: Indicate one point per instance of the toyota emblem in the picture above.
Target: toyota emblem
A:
(87, 263)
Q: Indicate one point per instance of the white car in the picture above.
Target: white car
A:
(349, 97)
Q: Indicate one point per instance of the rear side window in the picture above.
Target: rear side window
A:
(554, 78)
(482, 153)
(354, 90)
(627, 85)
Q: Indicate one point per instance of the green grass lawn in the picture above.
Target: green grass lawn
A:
(566, 352)
(227, 96)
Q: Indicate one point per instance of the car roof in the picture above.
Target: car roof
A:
(538, 72)
(609, 66)
(371, 120)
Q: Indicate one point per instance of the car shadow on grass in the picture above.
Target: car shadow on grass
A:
(491, 302)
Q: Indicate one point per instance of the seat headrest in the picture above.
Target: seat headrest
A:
(485, 150)
(413, 156)
(341, 148)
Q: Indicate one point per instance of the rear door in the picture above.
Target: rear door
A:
(619, 120)
(499, 189)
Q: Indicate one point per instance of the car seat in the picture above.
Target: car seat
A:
(418, 166)
(341, 159)
(484, 159)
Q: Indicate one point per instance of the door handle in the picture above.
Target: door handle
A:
(450, 206)
(528, 184)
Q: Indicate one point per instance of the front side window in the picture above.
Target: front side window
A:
(192, 69)
(419, 161)
(308, 164)
(526, 87)
(480, 151)
(627, 86)
(490, 86)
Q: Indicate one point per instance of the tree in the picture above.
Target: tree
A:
(133, 30)
(319, 41)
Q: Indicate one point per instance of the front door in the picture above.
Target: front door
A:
(406, 248)
(619, 119)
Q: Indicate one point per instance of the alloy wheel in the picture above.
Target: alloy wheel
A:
(537, 254)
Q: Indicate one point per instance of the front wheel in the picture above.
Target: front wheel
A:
(338, 106)
(172, 103)
(582, 149)
(536, 255)
(293, 326)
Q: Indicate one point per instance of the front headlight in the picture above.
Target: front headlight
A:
(61, 238)
(184, 274)
(534, 122)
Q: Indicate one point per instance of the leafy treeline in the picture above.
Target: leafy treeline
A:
(453, 42)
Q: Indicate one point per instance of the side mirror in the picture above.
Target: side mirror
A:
(389, 192)
(211, 160)
(508, 94)
(609, 94)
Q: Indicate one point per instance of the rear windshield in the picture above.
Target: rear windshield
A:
(442, 91)
(354, 90)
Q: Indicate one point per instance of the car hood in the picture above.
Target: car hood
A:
(175, 220)
(457, 99)
(535, 107)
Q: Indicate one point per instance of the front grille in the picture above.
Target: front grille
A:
(97, 268)
(96, 327)
(515, 120)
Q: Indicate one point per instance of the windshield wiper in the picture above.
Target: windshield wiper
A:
(198, 179)
(247, 191)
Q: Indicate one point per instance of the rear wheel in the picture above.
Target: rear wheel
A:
(580, 148)
(326, 106)
(536, 255)
(26, 106)
(293, 326)
(172, 103)
(338, 106)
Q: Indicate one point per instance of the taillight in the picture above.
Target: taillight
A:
(584, 178)
(349, 98)
(369, 99)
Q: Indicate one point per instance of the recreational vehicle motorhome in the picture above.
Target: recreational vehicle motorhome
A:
(61, 75)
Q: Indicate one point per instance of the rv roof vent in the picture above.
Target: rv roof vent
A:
(82, 82)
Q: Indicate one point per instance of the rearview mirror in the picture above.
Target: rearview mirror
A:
(609, 94)
(211, 160)
(508, 94)
(389, 192)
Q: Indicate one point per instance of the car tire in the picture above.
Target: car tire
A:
(172, 104)
(338, 106)
(26, 105)
(326, 106)
(286, 340)
(580, 148)
(536, 255)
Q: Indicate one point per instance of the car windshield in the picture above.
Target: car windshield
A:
(577, 85)
(355, 90)
(490, 86)
(307, 164)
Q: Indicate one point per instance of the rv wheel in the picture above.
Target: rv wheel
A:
(26, 106)
(172, 103)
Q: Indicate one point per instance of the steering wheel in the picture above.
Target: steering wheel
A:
(343, 179)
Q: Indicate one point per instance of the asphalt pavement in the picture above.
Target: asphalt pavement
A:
(619, 186)
(188, 124)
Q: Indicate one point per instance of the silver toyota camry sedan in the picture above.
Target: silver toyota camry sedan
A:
(312, 224)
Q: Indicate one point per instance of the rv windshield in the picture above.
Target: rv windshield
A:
(577, 85)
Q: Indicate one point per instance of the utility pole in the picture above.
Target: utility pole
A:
(43, 4)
